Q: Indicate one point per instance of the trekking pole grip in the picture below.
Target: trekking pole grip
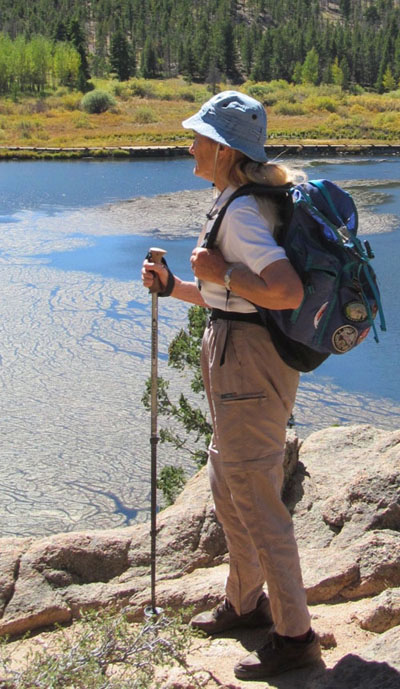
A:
(155, 255)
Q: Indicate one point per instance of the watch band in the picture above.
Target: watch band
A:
(227, 278)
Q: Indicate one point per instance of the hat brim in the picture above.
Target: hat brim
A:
(196, 122)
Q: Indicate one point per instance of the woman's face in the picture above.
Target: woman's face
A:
(204, 151)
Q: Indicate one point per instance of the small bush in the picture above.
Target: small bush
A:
(141, 88)
(374, 103)
(121, 90)
(261, 90)
(105, 652)
(82, 121)
(171, 482)
(321, 103)
(96, 102)
(164, 92)
(144, 115)
(287, 108)
(187, 94)
(387, 119)
(25, 129)
(358, 109)
(71, 101)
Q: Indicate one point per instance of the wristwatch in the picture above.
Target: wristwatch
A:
(227, 278)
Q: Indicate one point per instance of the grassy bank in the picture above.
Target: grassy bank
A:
(149, 113)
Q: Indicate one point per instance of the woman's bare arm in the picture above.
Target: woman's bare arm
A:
(278, 286)
(185, 291)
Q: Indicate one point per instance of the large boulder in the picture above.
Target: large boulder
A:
(345, 499)
(344, 495)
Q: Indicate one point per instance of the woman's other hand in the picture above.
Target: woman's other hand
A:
(209, 265)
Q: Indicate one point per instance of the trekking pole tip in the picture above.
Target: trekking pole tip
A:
(153, 611)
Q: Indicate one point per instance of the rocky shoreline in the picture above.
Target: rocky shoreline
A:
(343, 489)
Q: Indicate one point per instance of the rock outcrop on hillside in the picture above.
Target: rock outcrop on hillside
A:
(344, 493)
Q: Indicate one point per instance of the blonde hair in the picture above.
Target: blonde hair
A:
(240, 170)
(244, 170)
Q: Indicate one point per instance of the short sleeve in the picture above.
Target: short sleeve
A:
(248, 235)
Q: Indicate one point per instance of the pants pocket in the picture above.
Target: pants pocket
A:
(247, 426)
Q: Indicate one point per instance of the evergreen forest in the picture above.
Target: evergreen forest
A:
(344, 42)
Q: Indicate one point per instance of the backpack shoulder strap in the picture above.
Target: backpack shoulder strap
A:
(280, 194)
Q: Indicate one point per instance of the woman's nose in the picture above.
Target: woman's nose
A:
(191, 149)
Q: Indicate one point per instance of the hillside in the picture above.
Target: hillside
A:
(235, 39)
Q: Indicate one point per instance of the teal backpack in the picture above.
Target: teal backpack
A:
(341, 294)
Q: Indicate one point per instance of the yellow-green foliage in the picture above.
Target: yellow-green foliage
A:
(285, 107)
(374, 103)
(321, 103)
(150, 112)
(144, 115)
(71, 101)
(168, 90)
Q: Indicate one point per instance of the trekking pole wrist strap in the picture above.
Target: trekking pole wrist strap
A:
(170, 282)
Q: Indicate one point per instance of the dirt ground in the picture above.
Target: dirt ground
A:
(211, 660)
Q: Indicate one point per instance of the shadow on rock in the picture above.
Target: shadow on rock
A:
(352, 672)
(293, 490)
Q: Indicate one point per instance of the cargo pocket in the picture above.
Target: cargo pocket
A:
(245, 427)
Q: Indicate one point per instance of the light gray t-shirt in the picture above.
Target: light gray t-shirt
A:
(245, 237)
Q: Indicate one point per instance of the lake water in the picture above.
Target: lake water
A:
(75, 330)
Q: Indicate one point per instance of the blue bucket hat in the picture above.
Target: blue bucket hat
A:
(235, 120)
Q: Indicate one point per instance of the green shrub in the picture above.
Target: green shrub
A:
(105, 652)
(82, 121)
(164, 92)
(387, 119)
(121, 90)
(279, 84)
(187, 94)
(26, 128)
(97, 101)
(375, 103)
(287, 108)
(144, 115)
(321, 103)
(261, 90)
(142, 88)
(71, 101)
(171, 482)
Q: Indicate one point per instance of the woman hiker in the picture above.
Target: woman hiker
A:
(250, 390)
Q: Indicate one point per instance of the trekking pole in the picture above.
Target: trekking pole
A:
(155, 255)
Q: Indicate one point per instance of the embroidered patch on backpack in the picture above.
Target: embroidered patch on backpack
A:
(344, 338)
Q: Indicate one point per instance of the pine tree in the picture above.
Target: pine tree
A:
(297, 72)
(310, 69)
(388, 81)
(344, 66)
(337, 73)
(149, 66)
(120, 56)
(77, 37)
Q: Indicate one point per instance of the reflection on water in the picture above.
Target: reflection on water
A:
(75, 333)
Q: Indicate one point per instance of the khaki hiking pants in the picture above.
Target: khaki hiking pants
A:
(251, 397)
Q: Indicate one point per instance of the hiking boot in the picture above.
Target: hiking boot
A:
(224, 617)
(279, 654)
